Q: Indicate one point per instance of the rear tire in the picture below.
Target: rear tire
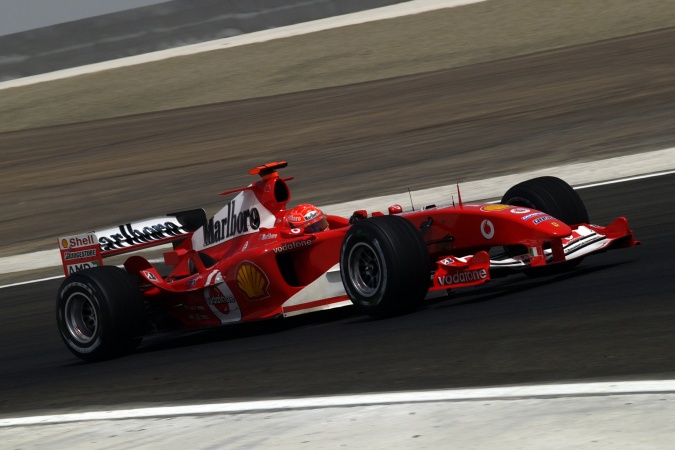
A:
(100, 313)
(556, 198)
(385, 266)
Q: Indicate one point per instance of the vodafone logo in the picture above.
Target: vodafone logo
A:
(487, 229)
(463, 277)
(222, 303)
(218, 300)
(292, 246)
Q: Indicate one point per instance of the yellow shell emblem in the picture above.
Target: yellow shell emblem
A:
(495, 207)
(252, 281)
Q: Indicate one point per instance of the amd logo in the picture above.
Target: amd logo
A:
(72, 268)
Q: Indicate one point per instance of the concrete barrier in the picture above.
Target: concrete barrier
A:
(157, 27)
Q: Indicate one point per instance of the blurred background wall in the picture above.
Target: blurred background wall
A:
(155, 27)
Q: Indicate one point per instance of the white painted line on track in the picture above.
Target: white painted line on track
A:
(56, 277)
(624, 180)
(448, 395)
(383, 13)
(39, 280)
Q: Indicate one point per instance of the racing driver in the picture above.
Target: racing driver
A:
(306, 217)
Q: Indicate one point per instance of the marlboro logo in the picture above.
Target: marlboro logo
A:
(233, 224)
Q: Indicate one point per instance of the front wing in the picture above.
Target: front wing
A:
(584, 240)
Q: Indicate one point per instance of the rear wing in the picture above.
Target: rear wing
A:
(83, 251)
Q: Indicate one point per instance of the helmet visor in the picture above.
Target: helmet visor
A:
(319, 224)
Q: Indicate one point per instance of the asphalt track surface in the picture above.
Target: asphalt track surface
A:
(612, 318)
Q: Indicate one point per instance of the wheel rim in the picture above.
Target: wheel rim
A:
(365, 271)
(80, 317)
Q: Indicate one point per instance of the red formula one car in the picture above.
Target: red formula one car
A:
(256, 259)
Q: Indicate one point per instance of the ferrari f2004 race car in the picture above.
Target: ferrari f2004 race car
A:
(255, 259)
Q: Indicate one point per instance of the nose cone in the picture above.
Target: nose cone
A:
(537, 223)
(553, 226)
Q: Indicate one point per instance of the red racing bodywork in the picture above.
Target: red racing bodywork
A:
(245, 263)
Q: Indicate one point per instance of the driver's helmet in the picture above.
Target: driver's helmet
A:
(306, 217)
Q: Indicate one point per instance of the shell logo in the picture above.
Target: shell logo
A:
(495, 207)
(64, 243)
(252, 281)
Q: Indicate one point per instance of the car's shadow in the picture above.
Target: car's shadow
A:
(350, 316)
(171, 340)
(516, 284)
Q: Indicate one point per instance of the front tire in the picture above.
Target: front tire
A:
(550, 195)
(385, 266)
(555, 197)
(100, 313)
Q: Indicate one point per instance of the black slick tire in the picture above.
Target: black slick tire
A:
(556, 198)
(100, 313)
(550, 195)
(385, 266)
